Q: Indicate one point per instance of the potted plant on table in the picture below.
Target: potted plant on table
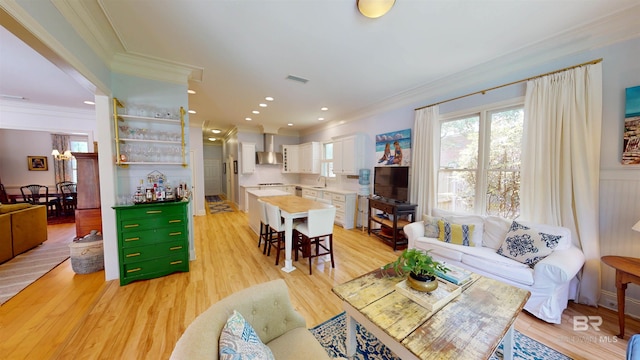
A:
(420, 266)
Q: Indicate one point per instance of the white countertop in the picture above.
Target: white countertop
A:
(328, 189)
(267, 192)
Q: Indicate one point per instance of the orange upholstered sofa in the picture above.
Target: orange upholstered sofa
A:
(22, 227)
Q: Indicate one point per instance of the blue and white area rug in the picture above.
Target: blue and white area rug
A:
(332, 335)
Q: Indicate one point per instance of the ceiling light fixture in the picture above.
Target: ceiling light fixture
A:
(89, 102)
(191, 111)
(374, 8)
(256, 112)
(269, 98)
(262, 105)
(64, 156)
(289, 124)
(216, 131)
(212, 139)
(248, 119)
(191, 91)
(320, 118)
(324, 108)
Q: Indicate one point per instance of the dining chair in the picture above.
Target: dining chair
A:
(33, 194)
(308, 237)
(276, 226)
(69, 196)
(266, 234)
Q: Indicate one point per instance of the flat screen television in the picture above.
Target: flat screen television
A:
(391, 182)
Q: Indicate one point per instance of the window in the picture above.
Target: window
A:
(326, 164)
(77, 145)
(480, 162)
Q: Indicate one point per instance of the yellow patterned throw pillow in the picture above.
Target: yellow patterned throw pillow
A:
(458, 234)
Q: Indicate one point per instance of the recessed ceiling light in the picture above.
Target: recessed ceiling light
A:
(89, 102)
(212, 139)
(248, 119)
(324, 108)
(320, 118)
(262, 105)
(216, 131)
(191, 91)
(256, 112)
(269, 98)
(341, 122)
(191, 111)
(289, 124)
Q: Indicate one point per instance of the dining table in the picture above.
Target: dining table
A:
(292, 207)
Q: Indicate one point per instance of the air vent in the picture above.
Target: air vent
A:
(297, 78)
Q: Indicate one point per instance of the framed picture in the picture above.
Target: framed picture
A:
(235, 166)
(37, 163)
(224, 168)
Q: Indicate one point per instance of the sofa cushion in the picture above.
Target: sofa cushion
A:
(460, 218)
(527, 245)
(495, 230)
(7, 208)
(297, 344)
(239, 341)
(486, 260)
(431, 226)
(459, 234)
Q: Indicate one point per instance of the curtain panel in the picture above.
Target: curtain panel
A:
(561, 162)
(424, 173)
(62, 168)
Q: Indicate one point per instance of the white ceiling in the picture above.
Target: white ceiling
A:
(244, 50)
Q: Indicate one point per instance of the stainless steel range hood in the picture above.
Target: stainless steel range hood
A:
(268, 156)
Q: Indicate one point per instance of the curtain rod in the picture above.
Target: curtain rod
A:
(592, 62)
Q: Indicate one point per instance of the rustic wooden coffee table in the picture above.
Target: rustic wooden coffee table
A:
(470, 326)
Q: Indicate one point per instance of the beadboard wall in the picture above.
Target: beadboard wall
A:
(619, 211)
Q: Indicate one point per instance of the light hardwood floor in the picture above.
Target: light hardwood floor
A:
(68, 316)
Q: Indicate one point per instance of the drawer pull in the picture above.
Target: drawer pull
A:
(131, 226)
(174, 221)
(134, 270)
(175, 233)
(176, 262)
(132, 239)
(175, 248)
(133, 254)
(154, 211)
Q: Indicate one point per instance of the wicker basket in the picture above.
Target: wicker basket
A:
(87, 257)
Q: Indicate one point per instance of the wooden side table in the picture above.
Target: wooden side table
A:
(627, 271)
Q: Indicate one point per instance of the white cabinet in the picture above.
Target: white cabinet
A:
(248, 158)
(148, 136)
(348, 154)
(345, 208)
(290, 159)
(302, 159)
(291, 189)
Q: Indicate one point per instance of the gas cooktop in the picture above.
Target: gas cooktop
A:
(271, 184)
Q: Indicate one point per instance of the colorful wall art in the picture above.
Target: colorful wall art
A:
(631, 141)
(394, 148)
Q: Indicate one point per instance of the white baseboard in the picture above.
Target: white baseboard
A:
(609, 300)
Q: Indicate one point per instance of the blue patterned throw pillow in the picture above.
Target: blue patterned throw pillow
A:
(527, 245)
(239, 341)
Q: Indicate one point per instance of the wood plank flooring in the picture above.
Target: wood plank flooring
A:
(69, 316)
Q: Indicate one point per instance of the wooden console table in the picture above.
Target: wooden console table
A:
(627, 271)
(394, 216)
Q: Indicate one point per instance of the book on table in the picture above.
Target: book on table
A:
(455, 275)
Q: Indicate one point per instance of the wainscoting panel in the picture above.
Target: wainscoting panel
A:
(619, 211)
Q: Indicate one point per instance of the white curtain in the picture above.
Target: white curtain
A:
(561, 160)
(424, 173)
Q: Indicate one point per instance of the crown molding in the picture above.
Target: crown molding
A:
(26, 107)
(154, 68)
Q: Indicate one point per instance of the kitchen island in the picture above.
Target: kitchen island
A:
(254, 207)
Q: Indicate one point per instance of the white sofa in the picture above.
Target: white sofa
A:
(552, 281)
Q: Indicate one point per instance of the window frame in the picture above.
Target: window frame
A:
(484, 113)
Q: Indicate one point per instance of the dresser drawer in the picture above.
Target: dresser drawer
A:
(338, 197)
(339, 206)
(309, 193)
(144, 211)
(154, 267)
(144, 253)
(128, 225)
(153, 236)
(389, 209)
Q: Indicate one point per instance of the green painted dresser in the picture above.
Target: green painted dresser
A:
(153, 240)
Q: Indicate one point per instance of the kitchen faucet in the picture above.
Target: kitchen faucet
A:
(324, 178)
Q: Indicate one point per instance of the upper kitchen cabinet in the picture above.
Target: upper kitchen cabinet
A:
(348, 154)
(146, 135)
(290, 159)
(301, 159)
(310, 154)
(248, 158)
